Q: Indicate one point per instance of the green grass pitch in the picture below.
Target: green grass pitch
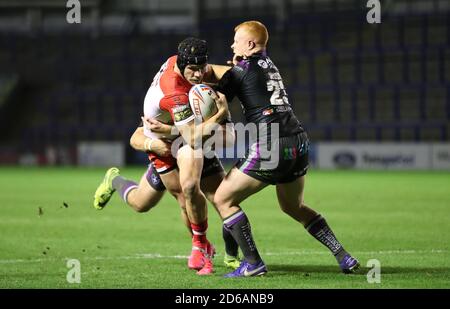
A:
(400, 218)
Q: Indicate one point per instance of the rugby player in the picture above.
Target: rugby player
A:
(167, 101)
(256, 81)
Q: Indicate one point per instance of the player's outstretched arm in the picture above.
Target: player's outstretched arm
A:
(143, 143)
(215, 73)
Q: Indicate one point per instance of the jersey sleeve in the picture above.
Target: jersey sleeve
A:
(179, 108)
(230, 82)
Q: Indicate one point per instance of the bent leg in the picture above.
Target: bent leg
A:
(144, 197)
(235, 188)
(140, 197)
(209, 187)
(291, 199)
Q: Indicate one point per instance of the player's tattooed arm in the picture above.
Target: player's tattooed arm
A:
(143, 143)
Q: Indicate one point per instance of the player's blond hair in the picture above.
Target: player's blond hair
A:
(256, 29)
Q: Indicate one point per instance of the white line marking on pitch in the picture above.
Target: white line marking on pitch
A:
(160, 256)
(385, 252)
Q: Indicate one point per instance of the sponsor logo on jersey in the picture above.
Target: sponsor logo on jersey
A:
(238, 68)
(181, 112)
(265, 173)
(263, 64)
(155, 179)
(289, 153)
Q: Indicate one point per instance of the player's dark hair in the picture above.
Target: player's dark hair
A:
(191, 51)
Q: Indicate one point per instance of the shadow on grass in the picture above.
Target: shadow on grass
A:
(362, 271)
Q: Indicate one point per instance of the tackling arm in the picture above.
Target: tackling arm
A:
(140, 142)
(215, 73)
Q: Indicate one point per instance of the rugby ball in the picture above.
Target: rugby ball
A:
(201, 99)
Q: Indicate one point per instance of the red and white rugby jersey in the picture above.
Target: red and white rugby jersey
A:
(167, 99)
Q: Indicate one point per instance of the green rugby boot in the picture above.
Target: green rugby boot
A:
(105, 190)
(232, 262)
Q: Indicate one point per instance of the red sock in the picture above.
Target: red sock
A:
(199, 231)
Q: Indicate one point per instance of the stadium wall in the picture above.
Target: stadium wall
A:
(383, 156)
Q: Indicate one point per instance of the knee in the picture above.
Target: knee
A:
(285, 209)
(218, 201)
(145, 204)
(190, 188)
(222, 202)
(290, 208)
(141, 207)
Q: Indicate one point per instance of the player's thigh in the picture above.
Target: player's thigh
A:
(190, 165)
(145, 197)
(209, 185)
(290, 195)
(171, 181)
(235, 188)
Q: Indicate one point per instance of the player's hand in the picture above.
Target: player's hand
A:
(161, 148)
(236, 60)
(209, 74)
(156, 126)
(222, 105)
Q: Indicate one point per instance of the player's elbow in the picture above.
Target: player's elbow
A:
(134, 142)
(134, 139)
